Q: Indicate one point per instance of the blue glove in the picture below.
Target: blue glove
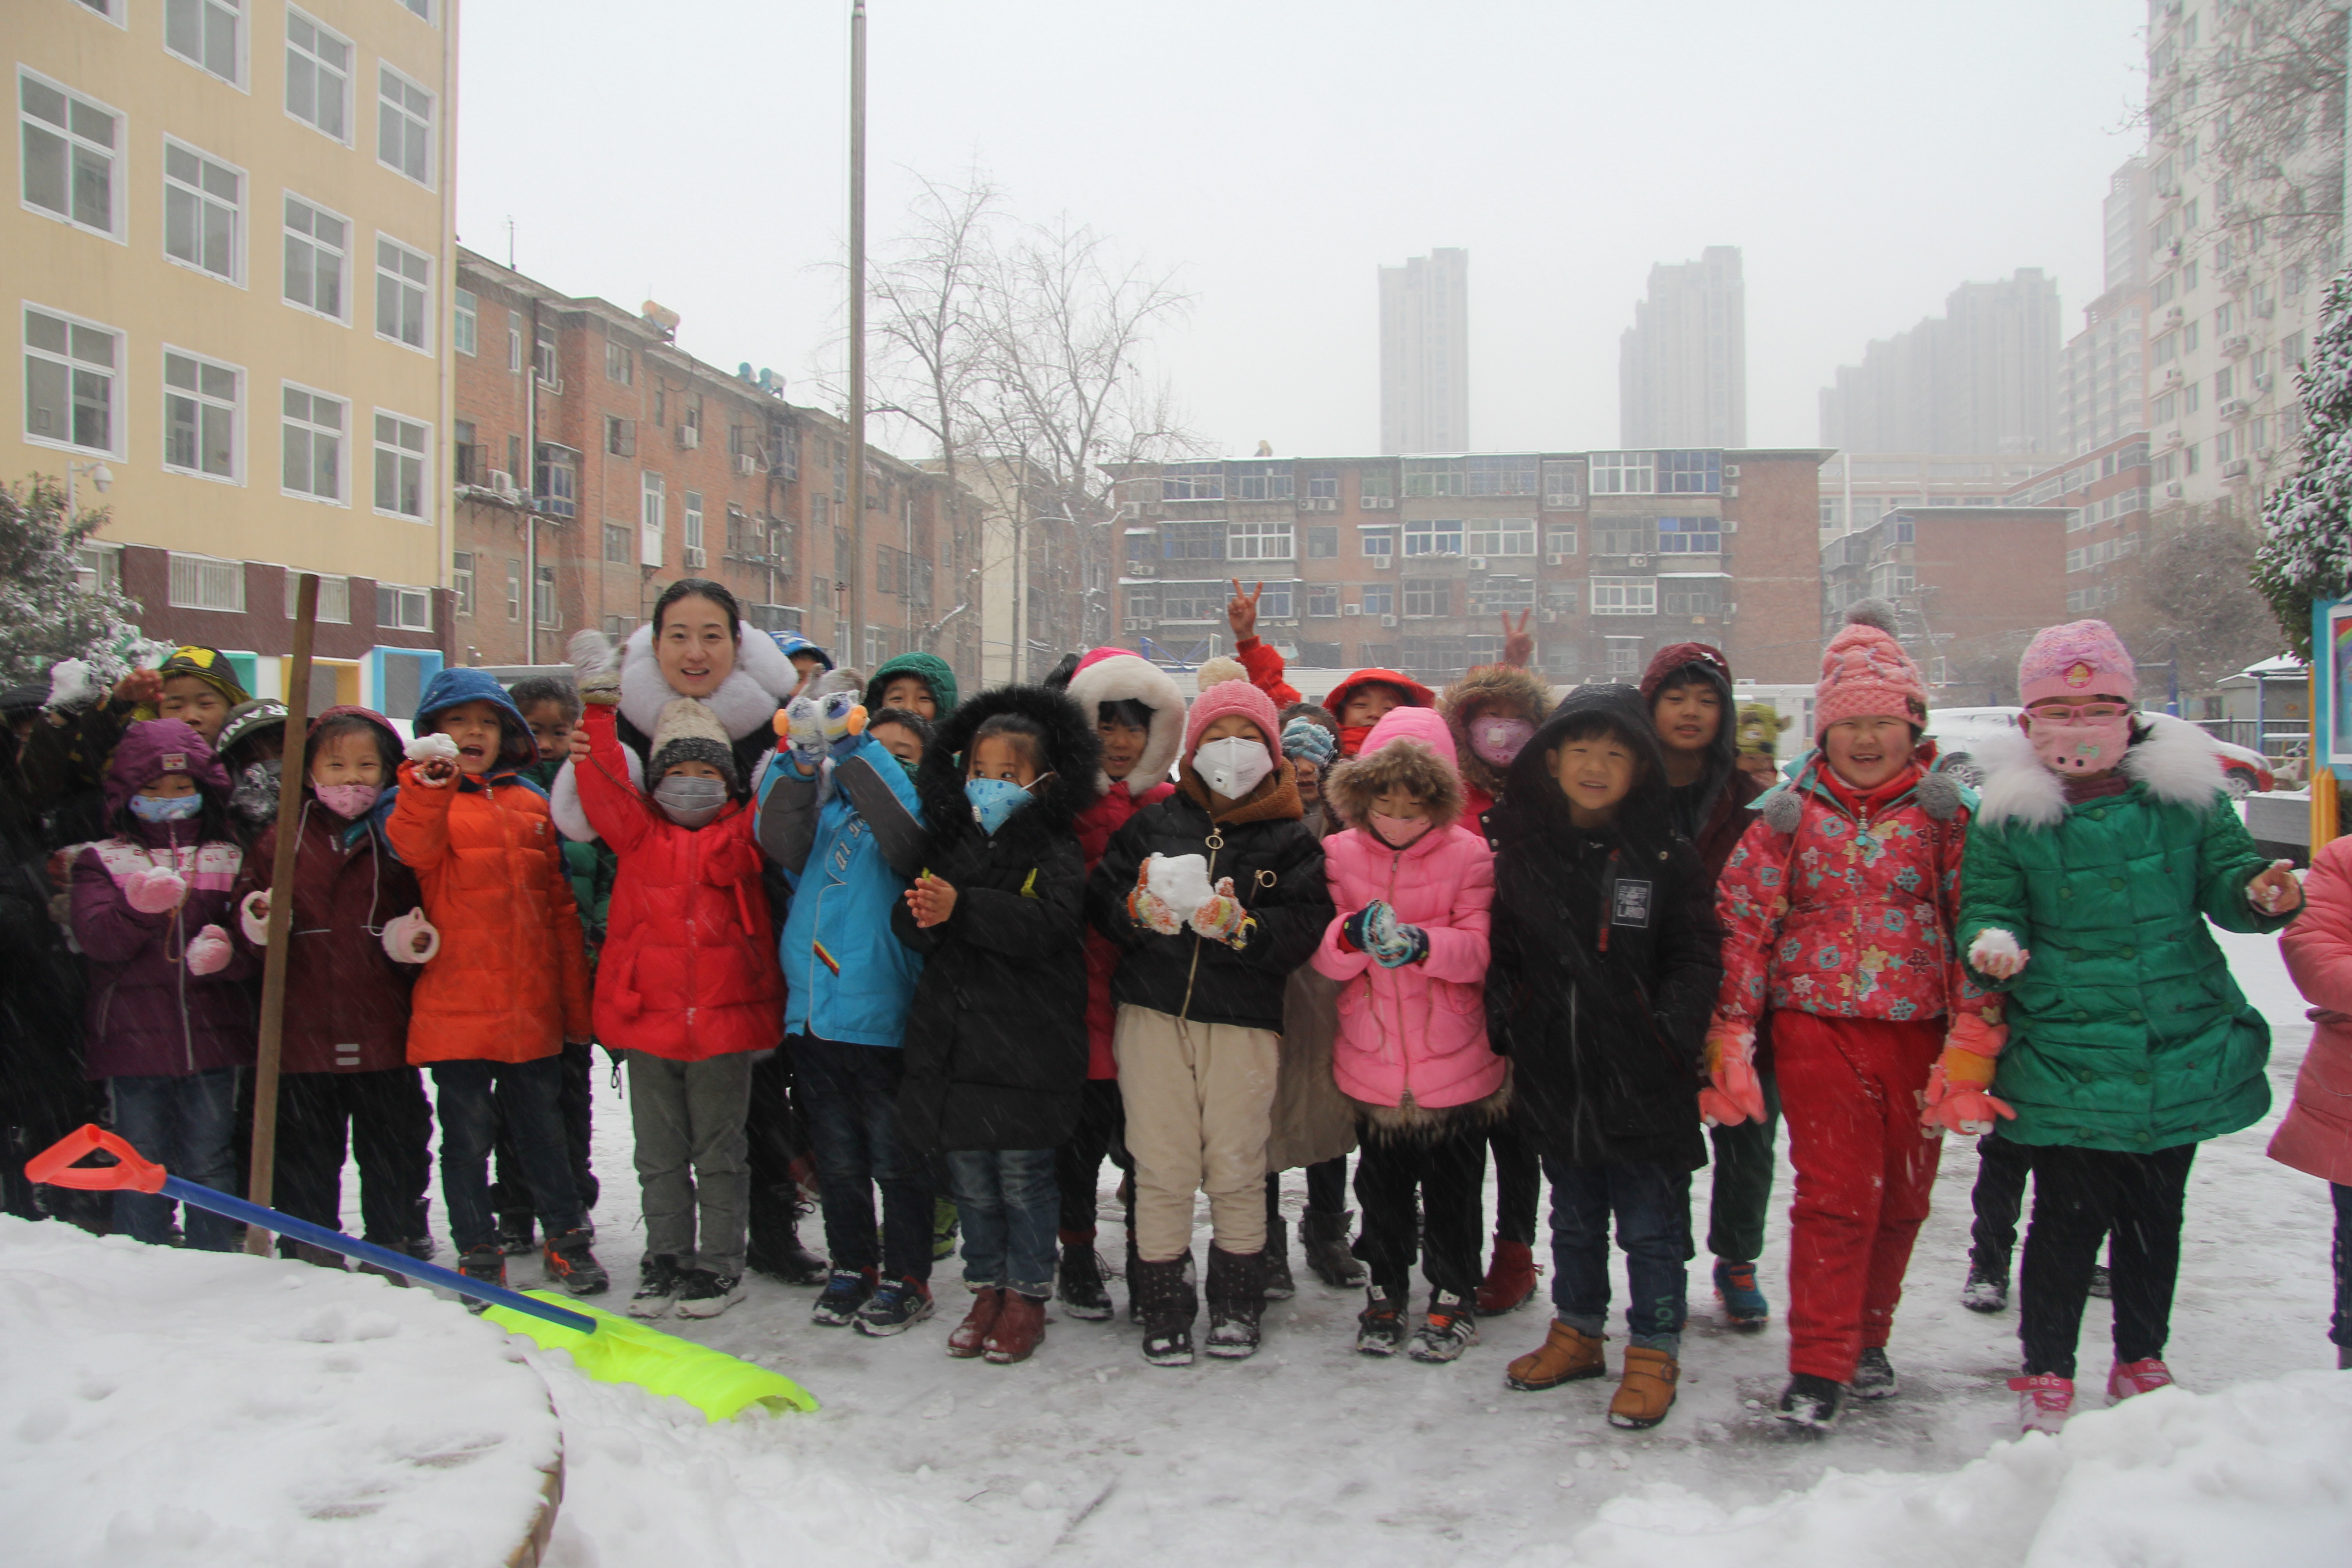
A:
(1391, 942)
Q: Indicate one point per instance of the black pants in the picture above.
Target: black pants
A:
(778, 1139)
(389, 1131)
(1998, 1197)
(2339, 1329)
(575, 1094)
(2079, 1195)
(1448, 1172)
(1518, 1182)
(1101, 1134)
(1327, 1186)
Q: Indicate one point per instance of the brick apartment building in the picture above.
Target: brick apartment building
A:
(1409, 563)
(1970, 586)
(2106, 494)
(597, 463)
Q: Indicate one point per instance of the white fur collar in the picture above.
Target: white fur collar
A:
(1131, 677)
(2175, 763)
(746, 701)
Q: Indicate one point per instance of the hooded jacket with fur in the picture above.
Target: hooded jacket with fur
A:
(1489, 692)
(1412, 1048)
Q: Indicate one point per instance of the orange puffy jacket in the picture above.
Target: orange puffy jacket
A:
(510, 981)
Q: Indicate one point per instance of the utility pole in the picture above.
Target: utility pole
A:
(856, 654)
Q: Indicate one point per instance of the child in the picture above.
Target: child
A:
(1200, 992)
(1603, 968)
(493, 1007)
(64, 758)
(839, 814)
(996, 1045)
(170, 1024)
(1139, 719)
(809, 661)
(2316, 1138)
(252, 748)
(1358, 701)
(355, 937)
(688, 990)
(1412, 889)
(922, 683)
(1310, 744)
(2102, 849)
(1838, 908)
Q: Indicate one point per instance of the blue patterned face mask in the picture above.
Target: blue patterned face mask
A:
(166, 808)
(994, 801)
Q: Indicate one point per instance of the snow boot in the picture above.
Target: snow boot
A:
(1325, 1240)
(2129, 1377)
(1280, 1284)
(658, 1283)
(2102, 1284)
(1379, 1327)
(1810, 1402)
(1567, 1355)
(1079, 1284)
(1743, 1306)
(2044, 1400)
(1019, 1329)
(1646, 1390)
(2343, 1358)
(1986, 1291)
(1874, 1375)
(896, 1306)
(1165, 1301)
(971, 1336)
(706, 1293)
(787, 1261)
(1510, 1278)
(570, 1263)
(515, 1235)
(1451, 1328)
(845, 1290)
(1236, 1295)
(487, 1264)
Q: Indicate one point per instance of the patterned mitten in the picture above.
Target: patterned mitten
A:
(1220, 915)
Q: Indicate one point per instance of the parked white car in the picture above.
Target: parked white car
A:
(1957, 730)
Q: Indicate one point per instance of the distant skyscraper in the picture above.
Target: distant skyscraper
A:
(1682, 366)
(2127, 213)
(1982, 377)
(1425, 353)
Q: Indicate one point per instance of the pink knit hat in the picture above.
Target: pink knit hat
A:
(2081, 658)
(1865, 674)
(1232, 697)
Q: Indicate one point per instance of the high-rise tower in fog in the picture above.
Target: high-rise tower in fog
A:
(1425, 353)
(1682, 366)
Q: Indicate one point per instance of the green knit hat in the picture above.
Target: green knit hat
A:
(930, 668)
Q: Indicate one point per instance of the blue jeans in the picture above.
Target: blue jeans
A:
(1651, 1205)
(850, 1095)
(1011, 1206)
(473, 1098)
(186, 1125)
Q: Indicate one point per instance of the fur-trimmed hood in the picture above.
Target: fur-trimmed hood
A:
(1072, 752)
(1492, 688)
(1409, 746)
(1115, 675)
(2172, 761)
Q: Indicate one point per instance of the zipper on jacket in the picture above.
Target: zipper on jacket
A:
(1214, 842)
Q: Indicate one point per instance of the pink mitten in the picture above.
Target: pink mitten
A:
(1958, 1106)
(400, 936)
(1734, 1093)
(1220, 914)
(152, 891)
(253, 917)
(208, 952)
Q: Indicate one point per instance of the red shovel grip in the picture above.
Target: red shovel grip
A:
(55, 1166)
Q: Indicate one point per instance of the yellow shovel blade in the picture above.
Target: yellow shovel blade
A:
(623, 1349)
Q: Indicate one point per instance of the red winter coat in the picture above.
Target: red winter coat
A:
(689, 970)
(2316, 1138)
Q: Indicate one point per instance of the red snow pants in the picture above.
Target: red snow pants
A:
(1850, 1089)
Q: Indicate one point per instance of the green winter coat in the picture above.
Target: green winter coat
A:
(2125, 1029)
(590, 867)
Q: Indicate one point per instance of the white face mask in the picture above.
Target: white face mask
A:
(1233, 767)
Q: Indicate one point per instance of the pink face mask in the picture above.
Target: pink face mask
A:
(2072, 741)
(1398, 832)
(348, 801)
(1498, 741)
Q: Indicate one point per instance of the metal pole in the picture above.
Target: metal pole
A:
(259, 1179)
(856, 654)
(529, 487)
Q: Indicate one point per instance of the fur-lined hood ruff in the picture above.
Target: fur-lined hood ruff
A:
(760, 682)
(1497, 688)
(1121, 677)
(1072, 756)
(2172, 761)
(1409, 746)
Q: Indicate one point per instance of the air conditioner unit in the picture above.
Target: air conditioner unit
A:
(2173, 492)
(1477, 564)
(2262, 382)
(1563, 503)
(1351, 609)
(2235, 468)
(1730, 492)
(1129, 625)
(1731, 470)
(2234, 408)
(2175, 316)
(2172, 437)
(2172, 378)
(1554, 558)
(690, 436)
(502, 483)
(1144, 569)
(1547, 617)
(1378, 503)
(1638, 562)
(1388, 620)
(1383, 563)
(2236, 345)
(694, 556)
(744, 465)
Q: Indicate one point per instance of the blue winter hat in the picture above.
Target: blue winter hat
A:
(1304, 737)
(457, 685)
(793, 643)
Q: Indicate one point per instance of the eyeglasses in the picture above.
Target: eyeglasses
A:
(2079, 712)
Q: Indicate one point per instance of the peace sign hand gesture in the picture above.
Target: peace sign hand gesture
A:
(1518, 646)
(1241, 611)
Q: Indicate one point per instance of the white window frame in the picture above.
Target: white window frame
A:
(1621, 596)
(1269, 541)
(465, 323)
(203, 400)
(287, 231)
(1560, 537)
(1434, 530)
(242, 48)
(1621, 474)
(432, 114)
(188, 573)
(400, 453)
(204, 197)
(343, 445)
(115, 11)
(116, 376)
(318, 67)
(1377, 533)
(461, 582)
(334, 598)
(1500, 536)
(402, 281)
(694, 526)
(421, 9)
(117, 157)
(402, 596)
(653, 507)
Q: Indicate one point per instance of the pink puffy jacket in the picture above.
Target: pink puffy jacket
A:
(1414, 1037)
(2315, 1137)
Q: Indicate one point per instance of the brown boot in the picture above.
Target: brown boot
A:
(1020, 1326)
(319, 1256)
(971, 1336)
(1647, 1390)
(1567, 1355)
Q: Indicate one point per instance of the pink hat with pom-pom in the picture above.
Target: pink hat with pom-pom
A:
(1865, 674)
(2081, 658)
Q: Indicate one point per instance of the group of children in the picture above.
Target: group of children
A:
(862, 931)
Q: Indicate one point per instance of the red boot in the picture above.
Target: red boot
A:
(1510, 1278)
(1020, 1325)
(971, 1336)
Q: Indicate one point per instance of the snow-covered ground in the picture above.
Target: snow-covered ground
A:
(1309, 1454)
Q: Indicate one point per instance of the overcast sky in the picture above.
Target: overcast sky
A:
(1867, 156)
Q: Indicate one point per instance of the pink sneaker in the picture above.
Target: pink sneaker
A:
(2043, 1402)
(2130, 1377)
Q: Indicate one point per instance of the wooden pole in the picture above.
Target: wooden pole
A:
(259, 1178)
(855, 657)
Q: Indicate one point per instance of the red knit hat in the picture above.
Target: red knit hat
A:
(1682, 656)
(1232, 697)
(1865, 674)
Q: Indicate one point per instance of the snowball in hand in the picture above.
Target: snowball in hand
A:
(435, 747)
(1181, 881)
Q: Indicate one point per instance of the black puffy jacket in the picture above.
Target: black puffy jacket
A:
(1605, 1040)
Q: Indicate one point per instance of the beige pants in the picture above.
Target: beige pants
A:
(1199, 1101)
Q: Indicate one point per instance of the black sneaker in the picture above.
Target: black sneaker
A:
(1079, 1284)
(1379, 1327)
(1451, 1328)
(1873, 1376)
(845, 1290)
(1985, 1292)
(658, 1283)
(896, 1306)
(515, 1235)
(1810, 1402)
(485, 1264)
(568, 1263)
(706, 1295)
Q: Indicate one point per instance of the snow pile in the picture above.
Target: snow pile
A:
(174, 1409)
(2254, 1474)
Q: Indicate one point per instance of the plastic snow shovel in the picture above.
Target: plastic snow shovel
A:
(604, 1347)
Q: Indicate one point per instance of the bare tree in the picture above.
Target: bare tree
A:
(2193, 600)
